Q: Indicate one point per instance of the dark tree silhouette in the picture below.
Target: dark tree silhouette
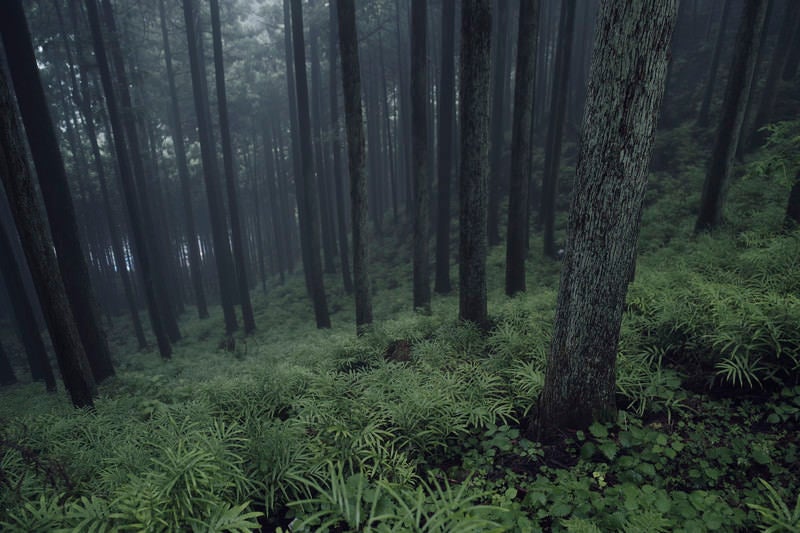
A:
(142, 251)
(21, 192)
(306, 187)
(354, 120)
(705, 107)
(445, 146)
(239, 242)
(555, 127)
(7, 376)
(525, 80)
(476, 31)
(22, 309)
(219, 229)
(626, 86)
(195, 266)
(336, 148)
(419, 154)
(732, 114)
(54, 185)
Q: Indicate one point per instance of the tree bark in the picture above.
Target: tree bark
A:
(525, 83)
(219, 229)
(732, 114)
(336, 148)
(626, 87)
(446, 110)
(195, 265)
(306, 187)
(496, 122)
(22, 198)
(555, 128)
(419, 152)
(239, 248)
(705, 108)
(54, 185)
(354, 121)
(476, 30)
(144, 259)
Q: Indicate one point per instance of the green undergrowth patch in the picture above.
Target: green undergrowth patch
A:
(422, 423)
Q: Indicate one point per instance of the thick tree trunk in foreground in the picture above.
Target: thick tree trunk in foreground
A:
(446, 109)
(144, 261)
(237, 237)
(626, 86)
(21, 192)
(306, 186)
(354, 120)
(517, 236)
(419, 153)
(54, 185)
(476, 31)
(732, 114)
(219, 229)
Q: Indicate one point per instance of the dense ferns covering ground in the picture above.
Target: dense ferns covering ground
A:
(419, 425)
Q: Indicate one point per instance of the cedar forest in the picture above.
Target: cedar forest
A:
(399, 265)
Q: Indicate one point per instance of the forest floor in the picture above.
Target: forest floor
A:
(421, 424)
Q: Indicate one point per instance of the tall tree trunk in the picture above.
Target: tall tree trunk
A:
(732, 115)
(705, 107)
(219, 229)
(306, 187)
(24, 316)
(140, 238)
(7, 376)
(446, 110)
(152, 239)
(779, 54)
(274, 206)
(419, 139)
(496, 123)
(476, 31)
(555, 128)
(54, 185)
(22, 198)
(239, 250)
(626, 86)
(354, 120)
(336, 148)
(525, 83)
(183, 174)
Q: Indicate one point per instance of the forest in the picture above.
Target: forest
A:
(400, 265)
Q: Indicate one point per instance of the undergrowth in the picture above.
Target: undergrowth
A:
(421, 423)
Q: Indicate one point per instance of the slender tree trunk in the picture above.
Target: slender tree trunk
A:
(27, 325)
(54, 185)
(476, 31)
(793, 59)
(354, 120)
(143, 256)
(7, 376)
(556, 127)
(239, 250)
(496, 138)
(306, 187)
(626, 87)
(445, 147)
(22, 198)
(183, 174)
(732, 115)
(336, 148)
(219, 231)
(525, 83)
(705, 108)
(779, 54)
(419, 138)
